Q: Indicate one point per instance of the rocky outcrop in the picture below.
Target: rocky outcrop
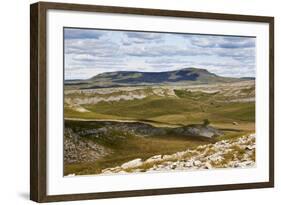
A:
(234, 153)
(146, 130)
(77, 149)
(96, 100)
(132, 164)
(198, 130)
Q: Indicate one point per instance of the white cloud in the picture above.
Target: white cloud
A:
(109, 51)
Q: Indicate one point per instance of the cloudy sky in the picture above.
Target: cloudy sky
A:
(89, 52)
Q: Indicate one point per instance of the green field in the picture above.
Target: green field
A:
(185, 109)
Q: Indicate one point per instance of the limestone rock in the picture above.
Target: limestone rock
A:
(134, 163)
(155, 158)
(197, 163)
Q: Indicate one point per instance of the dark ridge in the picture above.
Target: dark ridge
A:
(248, 78)
(98, 87)
(75, 83)
(160, 77)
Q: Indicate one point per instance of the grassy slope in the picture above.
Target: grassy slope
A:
(170, 110)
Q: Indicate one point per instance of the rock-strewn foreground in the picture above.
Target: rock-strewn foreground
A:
(234, 153)
(77, 149)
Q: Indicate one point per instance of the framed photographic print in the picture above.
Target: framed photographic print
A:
(134, 102)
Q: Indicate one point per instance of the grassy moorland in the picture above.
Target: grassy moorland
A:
(228, 107)
(185, 107)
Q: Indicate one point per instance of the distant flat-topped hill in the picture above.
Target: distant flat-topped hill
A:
(186, 76)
